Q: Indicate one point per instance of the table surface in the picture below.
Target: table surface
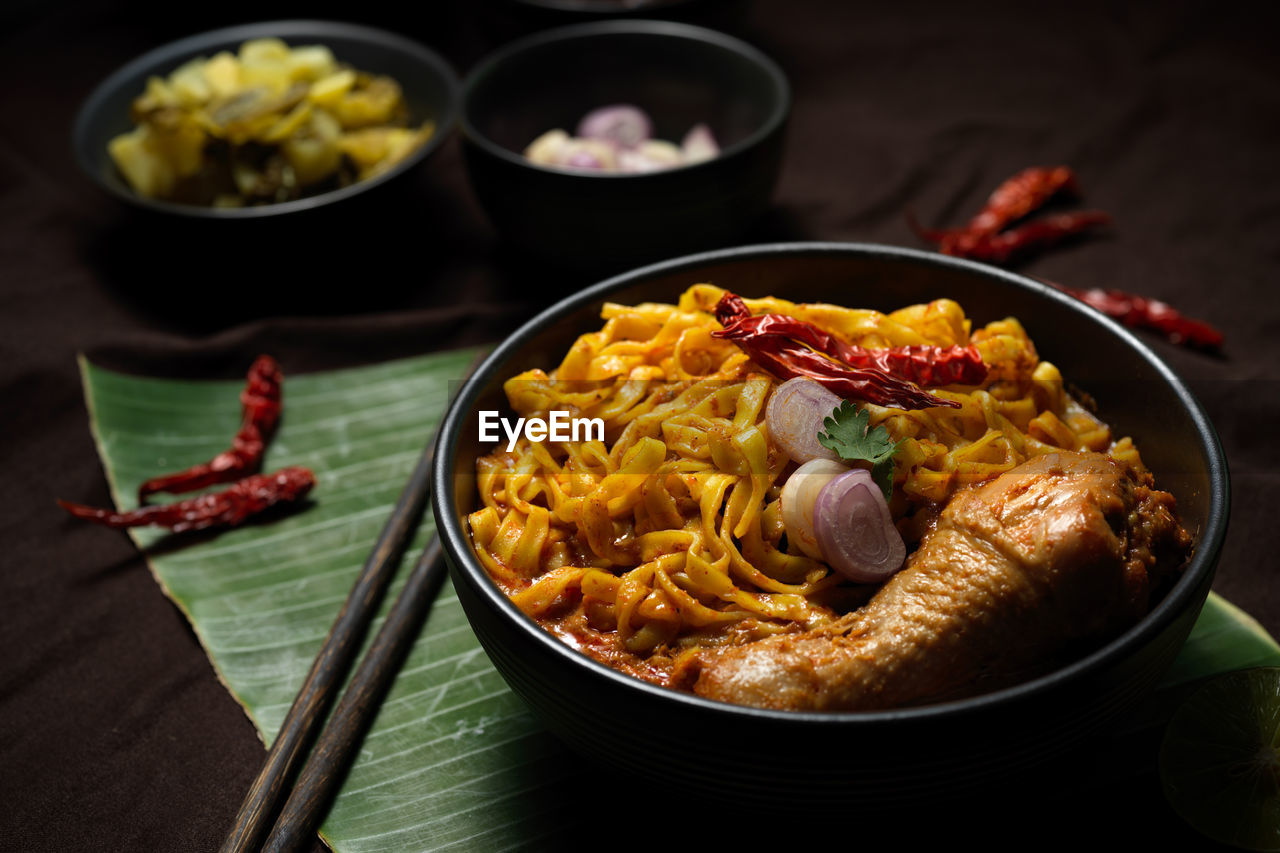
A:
(116, 734)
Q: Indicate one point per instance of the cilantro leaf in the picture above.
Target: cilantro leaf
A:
(847, 434)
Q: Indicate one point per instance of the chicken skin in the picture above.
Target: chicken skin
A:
(1060, 552)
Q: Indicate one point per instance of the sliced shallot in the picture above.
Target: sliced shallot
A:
(547, 149)
(699, 144)
(580, 155)
(557, 148)
(799, 499)
(795, 416)
(854, 529)
(650, 156)
(623, 125)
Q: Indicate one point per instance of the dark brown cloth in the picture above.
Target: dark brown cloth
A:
(114, 732)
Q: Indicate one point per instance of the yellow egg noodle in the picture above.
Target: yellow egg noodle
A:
(670, 528)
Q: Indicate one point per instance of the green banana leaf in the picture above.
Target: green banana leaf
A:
(453, 760)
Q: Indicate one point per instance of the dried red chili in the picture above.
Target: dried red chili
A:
(1033, 236)
(1141, 313)
(984, 238)
(261, 403)
(1018, 197)
(786, 356)
(227, 508)
(927, 366)
(1021, 195)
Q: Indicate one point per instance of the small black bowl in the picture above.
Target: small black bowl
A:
(680, 75)
(847, 760)
(518, 17)
(595, 9)
(429, 84)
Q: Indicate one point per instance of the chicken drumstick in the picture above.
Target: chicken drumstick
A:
(1062, 550)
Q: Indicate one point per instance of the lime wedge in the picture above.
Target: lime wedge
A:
(1220, 759)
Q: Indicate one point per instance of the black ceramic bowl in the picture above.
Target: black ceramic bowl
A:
(825, 759)
(429, 84)
(605, 8)
(561, 12)
(680, 75)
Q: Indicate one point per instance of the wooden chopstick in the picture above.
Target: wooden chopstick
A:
(342, 736)
(258, 811)
(331, 664)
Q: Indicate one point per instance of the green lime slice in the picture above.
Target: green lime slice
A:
(1220, 760)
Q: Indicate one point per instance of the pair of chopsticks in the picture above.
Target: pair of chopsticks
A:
(324, 770)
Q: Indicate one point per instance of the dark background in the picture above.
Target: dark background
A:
(114, 732)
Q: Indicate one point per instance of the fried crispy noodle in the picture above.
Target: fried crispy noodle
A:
(667, 534)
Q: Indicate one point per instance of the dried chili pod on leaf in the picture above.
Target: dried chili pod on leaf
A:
(261, 401)
(227, 508)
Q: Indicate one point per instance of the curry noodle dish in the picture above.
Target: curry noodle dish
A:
(808, 506)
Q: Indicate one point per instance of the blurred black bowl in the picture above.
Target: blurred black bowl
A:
(511, 18)
(583, 9)
(846, 761)
(680, 75)
(429, 84)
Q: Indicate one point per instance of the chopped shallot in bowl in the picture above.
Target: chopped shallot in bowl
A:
(602, 146)
(619, 138)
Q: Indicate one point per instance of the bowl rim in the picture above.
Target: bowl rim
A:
(457, 543)
(776, 119)
(584, 8)
(290, 30)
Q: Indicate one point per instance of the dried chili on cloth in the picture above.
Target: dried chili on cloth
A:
(227, 508)
(984, 238)
(988, 237)
(261, 401)
(1034, 236)
(1141, 313)
(788, 347)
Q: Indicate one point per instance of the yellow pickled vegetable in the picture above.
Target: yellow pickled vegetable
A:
(313, 152)
(374, 103)
(311, 63)
(287, 125)
(329, 90)
(264, 52)
(222, 73)
(263, 124)
(142, 166)
(159, 94)
(376, 149)
(189, 84)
